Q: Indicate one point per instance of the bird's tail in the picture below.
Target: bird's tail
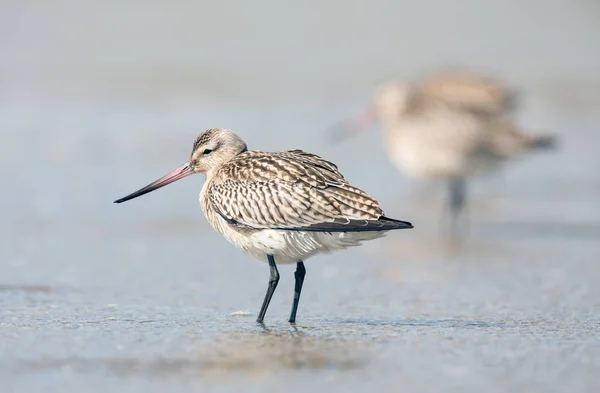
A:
(543, 142)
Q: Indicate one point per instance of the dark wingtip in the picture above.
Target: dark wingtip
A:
(545, 142)
(399, 224)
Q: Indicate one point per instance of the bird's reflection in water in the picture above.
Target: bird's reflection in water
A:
(269, 350)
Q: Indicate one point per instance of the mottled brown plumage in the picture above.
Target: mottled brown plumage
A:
(287, 190)
(282, 206)
(291, 190)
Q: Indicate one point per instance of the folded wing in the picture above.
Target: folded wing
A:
(294, 190)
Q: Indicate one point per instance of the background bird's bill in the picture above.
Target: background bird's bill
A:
(179, 173)
(349, 127)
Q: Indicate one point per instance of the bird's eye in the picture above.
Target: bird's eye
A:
(207, 151)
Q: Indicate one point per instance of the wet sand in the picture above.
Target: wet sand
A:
(145, 297)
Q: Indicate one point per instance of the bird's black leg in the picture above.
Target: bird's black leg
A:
(456, 200)
(273, 281)
(299, 276)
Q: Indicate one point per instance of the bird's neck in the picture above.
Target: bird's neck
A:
(214, 170)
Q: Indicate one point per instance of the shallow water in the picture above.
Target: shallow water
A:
(145, 297)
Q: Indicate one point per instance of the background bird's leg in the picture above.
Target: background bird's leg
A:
(457, 188)
(299, 276)
(273, 281)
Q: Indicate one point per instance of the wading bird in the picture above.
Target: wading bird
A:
(279, 207)
(450, 126)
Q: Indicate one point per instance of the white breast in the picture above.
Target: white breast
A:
(293, 246)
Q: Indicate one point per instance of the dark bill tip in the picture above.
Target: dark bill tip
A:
(179, 173)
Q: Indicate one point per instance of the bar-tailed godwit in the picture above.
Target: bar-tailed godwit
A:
(279, 207)
(449, 126)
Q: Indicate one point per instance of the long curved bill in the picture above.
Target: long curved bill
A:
(352, 126)
(179, 173)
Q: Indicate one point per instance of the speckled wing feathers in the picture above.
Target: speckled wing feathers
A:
(292, 190)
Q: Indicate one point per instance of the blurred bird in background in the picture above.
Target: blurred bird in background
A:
(448, 126)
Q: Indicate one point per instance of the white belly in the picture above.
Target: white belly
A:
(290, 246)
(293, 246)
(419, 160)
(441, 148)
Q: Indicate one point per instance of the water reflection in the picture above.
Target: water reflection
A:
(263, 350)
